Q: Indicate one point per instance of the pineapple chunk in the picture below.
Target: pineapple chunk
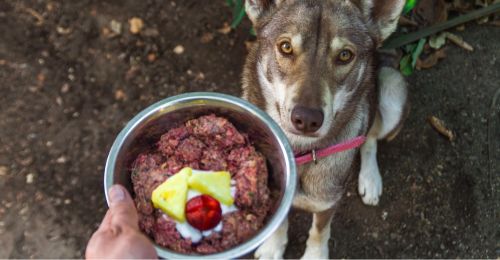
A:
(216, 184)
(171, 195)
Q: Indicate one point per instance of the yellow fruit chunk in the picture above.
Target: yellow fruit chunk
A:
(171, 195)
(215, 184)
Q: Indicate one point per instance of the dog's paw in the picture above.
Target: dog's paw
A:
(317, 251)
(370, 186)
(273, 248)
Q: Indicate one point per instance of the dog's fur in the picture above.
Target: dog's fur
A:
(357, 98)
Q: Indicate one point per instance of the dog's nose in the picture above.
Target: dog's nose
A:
(307, 120)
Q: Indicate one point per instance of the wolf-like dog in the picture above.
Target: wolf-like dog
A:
(316, 70)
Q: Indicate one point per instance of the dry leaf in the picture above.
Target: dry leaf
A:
(439, 126)
(226, 28)
(404, 21)
(431, 60)
(431, 12)
(35, 14)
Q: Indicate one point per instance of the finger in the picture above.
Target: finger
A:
(122, 208)
(106, 221)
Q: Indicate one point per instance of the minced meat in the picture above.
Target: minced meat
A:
(207, 143)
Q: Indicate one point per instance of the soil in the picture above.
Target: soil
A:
(72, 74)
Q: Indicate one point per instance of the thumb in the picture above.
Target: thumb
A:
(122, 208)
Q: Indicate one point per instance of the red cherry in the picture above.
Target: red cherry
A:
(203, 212)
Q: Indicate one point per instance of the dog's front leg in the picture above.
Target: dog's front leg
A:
(274, 247)
(392, 98)
(319, 234)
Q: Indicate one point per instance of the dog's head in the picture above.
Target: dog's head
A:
(314, 59)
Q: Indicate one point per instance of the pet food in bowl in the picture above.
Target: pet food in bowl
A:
(203, 188)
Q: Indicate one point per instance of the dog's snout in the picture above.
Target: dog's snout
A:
(307, 120)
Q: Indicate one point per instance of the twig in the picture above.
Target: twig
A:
(398, 41)
(441, 128)
(407, 22)
(35, 14)
(459, 41)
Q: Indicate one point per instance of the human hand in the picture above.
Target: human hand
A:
(118, 235)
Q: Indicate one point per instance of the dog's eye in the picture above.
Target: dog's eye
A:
(286, 47)
(345, 56)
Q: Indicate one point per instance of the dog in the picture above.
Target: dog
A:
(316, 69)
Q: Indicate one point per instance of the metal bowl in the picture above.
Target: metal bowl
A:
(145, 129)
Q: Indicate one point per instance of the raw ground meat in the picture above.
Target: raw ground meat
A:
(206, 143)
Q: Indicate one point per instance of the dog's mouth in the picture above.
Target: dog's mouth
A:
(301, 134)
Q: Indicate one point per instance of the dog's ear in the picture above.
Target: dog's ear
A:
(256, 8)
(383, 15)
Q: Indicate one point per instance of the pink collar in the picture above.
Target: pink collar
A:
(314, 155)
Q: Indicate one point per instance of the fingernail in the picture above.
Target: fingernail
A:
(116, 194)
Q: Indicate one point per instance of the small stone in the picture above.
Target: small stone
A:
(375, 235)
(136, 25)
(3, 170)
(26, 161)
(30, 178)
(49, 143)
(67, 201)
(65, 88)
(23, 211)
(384, 215)
(207, 37)
(116, 26)
(120, 95)
(200, 76)
(179, 49)
(63, 31)
(62, 159)
(59, 101)
(151, 57)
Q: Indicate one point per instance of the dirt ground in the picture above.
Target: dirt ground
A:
(72, 74)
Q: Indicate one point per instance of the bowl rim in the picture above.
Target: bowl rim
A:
(290, 184)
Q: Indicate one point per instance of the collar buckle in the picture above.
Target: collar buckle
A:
(315, 158)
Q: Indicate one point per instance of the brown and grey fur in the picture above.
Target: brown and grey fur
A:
(358, 98)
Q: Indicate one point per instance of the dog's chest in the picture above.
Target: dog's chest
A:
(325, 180)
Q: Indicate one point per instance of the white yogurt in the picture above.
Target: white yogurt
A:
(189, 232)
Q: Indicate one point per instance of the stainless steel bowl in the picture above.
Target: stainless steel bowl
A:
(146, 128)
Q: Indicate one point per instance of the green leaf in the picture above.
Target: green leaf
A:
(410, 4)
(405, 65)
(418, 50)
(238, 18)
(437, 41)
(408, 63)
